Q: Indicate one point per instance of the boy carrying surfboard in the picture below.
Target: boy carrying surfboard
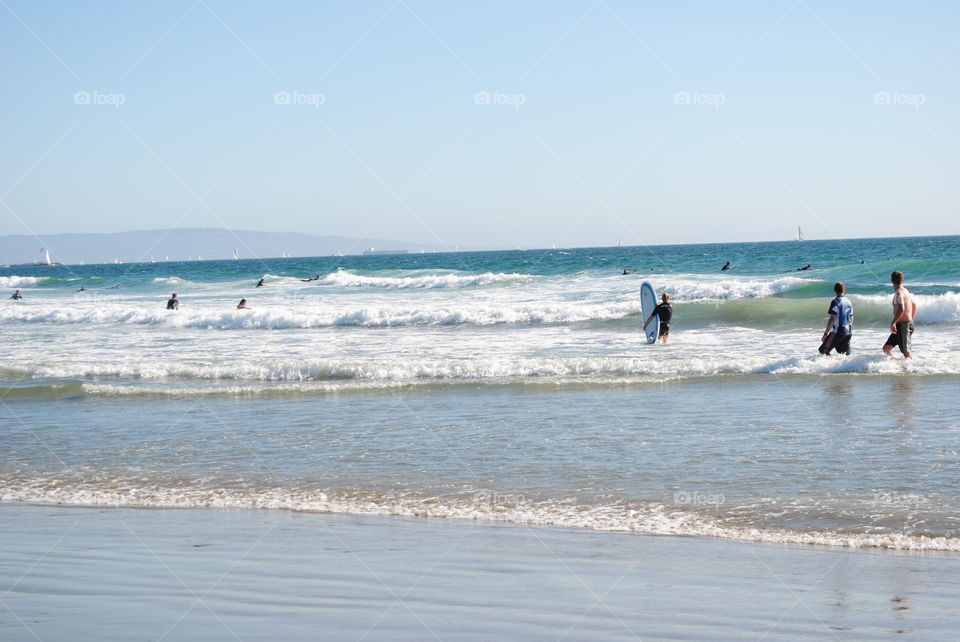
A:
(664, 312)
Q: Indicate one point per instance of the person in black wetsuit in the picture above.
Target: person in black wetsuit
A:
(260, 284)
(664, 311)
(174, 302)
(17, 296)
(726, 266)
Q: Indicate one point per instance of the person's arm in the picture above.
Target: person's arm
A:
(897, 313)
(649, 319)
(832, 320)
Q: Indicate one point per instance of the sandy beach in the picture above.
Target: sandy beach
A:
(122, 574)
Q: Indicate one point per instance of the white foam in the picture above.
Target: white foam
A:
(639, 518)
(931, 308)
(344, 278)
(318, 316)
(694, 287)
(18, 281)
(503, 370)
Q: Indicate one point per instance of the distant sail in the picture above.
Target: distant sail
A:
(44, 257)
(236, 255)
(799, 236)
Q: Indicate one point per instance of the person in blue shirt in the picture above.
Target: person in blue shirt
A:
(840, 324)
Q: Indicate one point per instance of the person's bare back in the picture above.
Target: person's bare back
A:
(905, 304)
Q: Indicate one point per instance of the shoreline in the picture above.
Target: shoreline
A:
(657, 522)
(116, 573)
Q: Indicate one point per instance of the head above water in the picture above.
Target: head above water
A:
(896, 278)
(839, 288)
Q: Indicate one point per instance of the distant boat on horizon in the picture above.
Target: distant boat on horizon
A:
(236, 255)
(799, 236)
(45, 258)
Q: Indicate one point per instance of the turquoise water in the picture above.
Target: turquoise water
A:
(512, 386)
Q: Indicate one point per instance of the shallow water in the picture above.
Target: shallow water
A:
(513, 386)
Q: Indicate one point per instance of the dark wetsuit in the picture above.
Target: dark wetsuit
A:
(16, 296)
(664, 312)
(173, 304)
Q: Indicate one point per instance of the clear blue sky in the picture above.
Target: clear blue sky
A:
(584, 136)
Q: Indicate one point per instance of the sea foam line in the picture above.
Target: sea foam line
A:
(641, 519)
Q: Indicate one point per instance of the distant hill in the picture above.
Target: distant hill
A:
(184, 244)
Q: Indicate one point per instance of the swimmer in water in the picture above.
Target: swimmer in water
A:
(315, 278)
(17, 296)
(260, 283)
(726, 266)
(174, 302)
(243, 305)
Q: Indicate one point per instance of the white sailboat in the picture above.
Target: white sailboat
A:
(799, 236)
(236, 255)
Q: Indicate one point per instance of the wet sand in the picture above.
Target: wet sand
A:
(129, 574)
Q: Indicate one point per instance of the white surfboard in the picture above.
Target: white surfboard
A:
(648, 301)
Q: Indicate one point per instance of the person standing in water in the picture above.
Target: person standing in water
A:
(174, 302)
(243, 305)
(664, 312)
(904, 312)
(840, 325)
(17, 296)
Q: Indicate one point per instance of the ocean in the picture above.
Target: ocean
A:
(507, 386)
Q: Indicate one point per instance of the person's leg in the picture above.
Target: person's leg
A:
(842, 344)
(905, 331)
(892, 340)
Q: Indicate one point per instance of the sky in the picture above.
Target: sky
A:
(495, 124)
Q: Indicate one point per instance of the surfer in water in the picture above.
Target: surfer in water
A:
(315, 278)
(17, 296)
(840, 324)
(904, 312)
(174, 302)
(243, 305)
(664, 311)
(260, 283)
(628, 271)
(726, 266)
(805, 267)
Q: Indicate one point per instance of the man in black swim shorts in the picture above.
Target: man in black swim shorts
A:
(904, 312)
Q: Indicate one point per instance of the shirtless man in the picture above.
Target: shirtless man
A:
(904, 312)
